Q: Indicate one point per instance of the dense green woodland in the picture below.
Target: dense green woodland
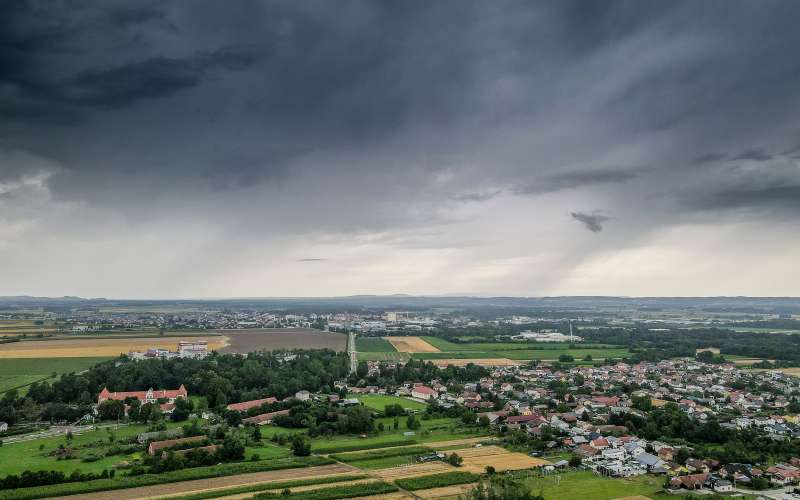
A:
(221, 378)
(684, 342)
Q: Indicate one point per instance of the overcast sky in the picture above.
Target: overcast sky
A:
(299, 148)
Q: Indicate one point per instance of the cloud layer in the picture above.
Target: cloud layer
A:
(199, 149)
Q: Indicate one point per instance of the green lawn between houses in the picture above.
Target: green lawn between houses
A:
(16, 372)
(379, 401)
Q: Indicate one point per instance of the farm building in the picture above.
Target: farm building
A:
(255, 403)
(148, 396)
(264, 418)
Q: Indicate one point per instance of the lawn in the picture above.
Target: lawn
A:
(438, 429)
(379, 401)
(588, 486)
(36, 455)
(15, 372)
(373, 344)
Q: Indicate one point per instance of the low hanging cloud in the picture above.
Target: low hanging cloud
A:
(409, 142)
(593, 221)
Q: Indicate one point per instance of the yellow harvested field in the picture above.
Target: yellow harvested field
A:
(397, 495)
(445, 492)
(184, 488)
(746, 361)
(411, 344)
(312, 487)
(714, 350)
(414, 470)
(76, 348)
(481, 452)
(477, 459)
(489, 362)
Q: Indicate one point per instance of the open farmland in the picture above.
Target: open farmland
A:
(411, 344)
(589, 486)
(270, 339)
(486, 362)
(24, 371)
(374, 344)
(106, 346)
(203, 485)
(477, 459)
(414, 470)
(383, 356)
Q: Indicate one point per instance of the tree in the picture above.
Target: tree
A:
(483, 421)
(455, 460)
(468, 417)
(396, 423)
(300, 446)
(183, 408)
(575, 461)
(111, 410)
(412, 423)
(566, 358)
(588, 357)
(231, 450)
(490, 471)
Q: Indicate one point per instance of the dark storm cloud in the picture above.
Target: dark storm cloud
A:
(592, 221)
(149, 79)
(573, 180)
(374, 116)
(754, 154)
(708, 158)
(754, 198)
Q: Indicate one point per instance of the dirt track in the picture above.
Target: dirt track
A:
(198, 485)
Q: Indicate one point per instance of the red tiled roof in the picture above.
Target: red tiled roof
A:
(105, 394)
(246, 405)
(264, 417)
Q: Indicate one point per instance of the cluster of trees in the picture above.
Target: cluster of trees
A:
(420, 371)
(650, 345)
(221, 378)
(502, 488)
(43, 478)
(231, 450)
(326, 419)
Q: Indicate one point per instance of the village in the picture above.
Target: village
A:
(577, 412)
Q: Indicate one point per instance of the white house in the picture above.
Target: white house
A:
(302, 395)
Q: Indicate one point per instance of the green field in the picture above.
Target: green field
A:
(383, 356)
(588, 486)
(374, 344)
(38, 454)
(16, 372)
(379, 401)
(437, 429)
